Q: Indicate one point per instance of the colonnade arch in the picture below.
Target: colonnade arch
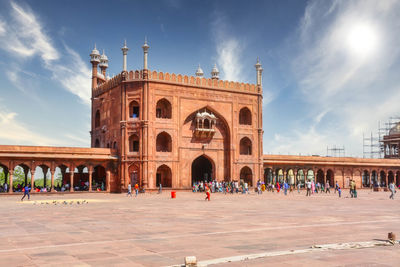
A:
(52, 176)
(365, 178)
(246, 175)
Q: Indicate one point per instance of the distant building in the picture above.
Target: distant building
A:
(174, 130)
(391, 142)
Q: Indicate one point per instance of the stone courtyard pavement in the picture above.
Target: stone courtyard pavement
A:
(155, 230)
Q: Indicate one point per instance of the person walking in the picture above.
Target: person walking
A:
(129, 190)
(312, 187)
(392, 189)
(327, 188)
(298, 188)
(136, 190)
(339, 191)
(336, 186)
(26, 193)
(308, 185)
(285, 187)
(208, 193)
(160, 188)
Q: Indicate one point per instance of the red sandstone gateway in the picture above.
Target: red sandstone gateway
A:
(155, 128)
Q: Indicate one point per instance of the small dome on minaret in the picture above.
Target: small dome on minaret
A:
(124, 48)
(95, 55)
(145, 46)
(215, 72)
(103, 60)
(258, 64)
(199, 72)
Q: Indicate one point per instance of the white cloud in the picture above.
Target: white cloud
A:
(15, 132)
(24, 37)
(229, 51)
(346, 91)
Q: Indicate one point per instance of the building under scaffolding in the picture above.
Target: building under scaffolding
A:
(386, 143)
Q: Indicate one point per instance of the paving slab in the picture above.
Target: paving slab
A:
(155, 230)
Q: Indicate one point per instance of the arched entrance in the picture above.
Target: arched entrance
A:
(330, 177)
(99, 179)
(390, 177)
(247, 176)
(164, 176)
(300, 178)
(202, 169)
(134, 175)
(397, 178)
(320, 176)
(268, 177)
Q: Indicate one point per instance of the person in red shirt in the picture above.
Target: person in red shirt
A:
(136, 190)
(208, 193)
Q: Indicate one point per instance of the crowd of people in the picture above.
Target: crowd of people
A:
(311, 187)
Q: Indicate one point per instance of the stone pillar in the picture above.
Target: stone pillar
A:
(10, 190)
(323, 171)
(52, 179)
(108, 178)
(145, 131)
(90, 180)
(32, 181)
(72, 182)
(295, 177)
(44, 169)
(386, 179)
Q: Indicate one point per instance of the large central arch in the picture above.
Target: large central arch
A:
(202, 169)
(212, 139)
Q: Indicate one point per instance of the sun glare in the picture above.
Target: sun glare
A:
(362, 39)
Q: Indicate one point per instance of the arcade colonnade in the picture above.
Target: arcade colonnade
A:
(298, 169)
(82, 169)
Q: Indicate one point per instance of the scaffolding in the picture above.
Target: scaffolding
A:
(335, 151)
(373, 146)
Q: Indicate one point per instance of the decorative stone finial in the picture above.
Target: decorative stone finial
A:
(103, 60)
(145, 52)
(215, 72)
(124, 53)
(199, 72)
(259, 70)
(95, 55)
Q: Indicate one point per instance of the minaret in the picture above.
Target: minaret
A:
(145, 52)
(215, 73)
(103, 64)
(94, 59)
(125, 53)
(199, 72)
(259, 70)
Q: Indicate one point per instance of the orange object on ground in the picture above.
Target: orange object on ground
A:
(173, 194)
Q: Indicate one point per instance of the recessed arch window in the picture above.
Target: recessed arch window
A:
(245, 146)
(134, 109)
(97, 119)
(134, 143)
(97, 143)
(245, 116)
(164, 142)
(163, 109)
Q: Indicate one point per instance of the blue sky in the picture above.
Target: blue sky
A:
(331, 68)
